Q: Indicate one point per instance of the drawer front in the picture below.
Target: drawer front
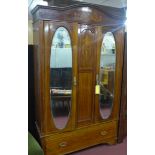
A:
(80, 138)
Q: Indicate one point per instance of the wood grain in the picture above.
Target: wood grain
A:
(86, 75)
(81, 13)
(122, 126)
(38, 73)
(85, 98)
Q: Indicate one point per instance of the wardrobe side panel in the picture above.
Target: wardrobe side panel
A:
(38, 73)
(122, 128)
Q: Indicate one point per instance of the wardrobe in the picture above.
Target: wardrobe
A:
(78, 62)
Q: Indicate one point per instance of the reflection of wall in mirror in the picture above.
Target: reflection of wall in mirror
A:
(109, 42)
(61, 58)
(108, 59)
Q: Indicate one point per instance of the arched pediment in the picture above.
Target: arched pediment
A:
(81, 13)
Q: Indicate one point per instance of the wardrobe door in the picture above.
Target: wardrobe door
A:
(109, 73)
(86, 75)
(60, 75)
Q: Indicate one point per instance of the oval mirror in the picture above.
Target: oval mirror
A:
(107, 74)
(61, 77)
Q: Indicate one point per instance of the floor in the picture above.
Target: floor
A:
(119, 149)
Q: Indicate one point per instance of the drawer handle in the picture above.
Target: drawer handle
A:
(103, 133)
(63, 144)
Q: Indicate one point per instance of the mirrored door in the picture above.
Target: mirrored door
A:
(109, 73)
(60, 75)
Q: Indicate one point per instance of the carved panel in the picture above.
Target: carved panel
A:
(85, 97)
(86, 51)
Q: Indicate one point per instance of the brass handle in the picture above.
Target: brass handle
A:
(97, 79)
(63, 144)
(74, 80)
(103, 133)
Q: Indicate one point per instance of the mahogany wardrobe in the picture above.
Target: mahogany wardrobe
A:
(78, 62)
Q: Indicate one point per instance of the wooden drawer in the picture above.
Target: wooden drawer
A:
(80, 138)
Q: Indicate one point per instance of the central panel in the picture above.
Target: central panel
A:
(86, 72)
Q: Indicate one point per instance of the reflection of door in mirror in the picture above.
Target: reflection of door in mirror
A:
(107, 75)
(61, 77)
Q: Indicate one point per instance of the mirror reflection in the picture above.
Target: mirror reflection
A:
(107, 74)
(61, 77)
